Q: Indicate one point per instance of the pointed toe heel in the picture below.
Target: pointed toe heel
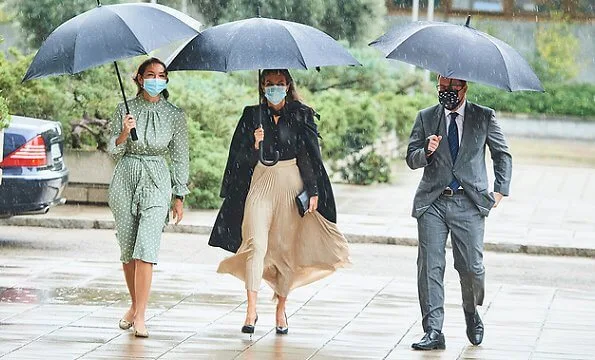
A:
(249, 328)
(283, 330)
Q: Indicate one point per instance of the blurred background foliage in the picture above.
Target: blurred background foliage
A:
(4, 113)
(362, 108)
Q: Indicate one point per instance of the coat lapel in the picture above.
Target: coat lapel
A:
(469, 132)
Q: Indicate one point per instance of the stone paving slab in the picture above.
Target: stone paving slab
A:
(67, 307)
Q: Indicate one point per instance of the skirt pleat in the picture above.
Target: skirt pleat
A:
(278, 245)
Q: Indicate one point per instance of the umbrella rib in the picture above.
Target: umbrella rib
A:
(297, 45)
(133, 34)
(503, 59)
(236, 31)
(77, 35)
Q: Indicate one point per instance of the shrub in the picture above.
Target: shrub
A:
(4, 114)
(366, 169)
(557, 50)
(558, 99)
(212, 105)
(349, 122)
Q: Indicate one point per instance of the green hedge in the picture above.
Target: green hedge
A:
(558, 99)
(358, 106)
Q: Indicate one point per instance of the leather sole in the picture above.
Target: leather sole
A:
(431, 347)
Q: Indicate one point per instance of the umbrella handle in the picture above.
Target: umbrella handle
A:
(265, 161)
(133, 134)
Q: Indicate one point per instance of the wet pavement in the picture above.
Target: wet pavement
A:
(62, 293)
(550, 211)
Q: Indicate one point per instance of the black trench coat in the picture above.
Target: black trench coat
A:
(227, 231)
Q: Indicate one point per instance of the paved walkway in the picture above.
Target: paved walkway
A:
(62, 292)
(550, 211)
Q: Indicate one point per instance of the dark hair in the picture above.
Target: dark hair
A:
(438, 76)
(141, 70)
(292, 94)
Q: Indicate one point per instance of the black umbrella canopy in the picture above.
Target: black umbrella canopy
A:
(460, 52)
(260, 43)
(109, 33)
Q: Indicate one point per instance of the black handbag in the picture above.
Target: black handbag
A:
(303, 202)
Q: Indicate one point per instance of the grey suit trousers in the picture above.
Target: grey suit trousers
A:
(461, 217)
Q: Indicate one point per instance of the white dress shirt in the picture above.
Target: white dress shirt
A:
(460, 119)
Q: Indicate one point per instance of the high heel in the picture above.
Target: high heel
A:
(283, 330)
(249, 329)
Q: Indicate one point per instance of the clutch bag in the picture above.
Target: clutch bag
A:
(303, 202)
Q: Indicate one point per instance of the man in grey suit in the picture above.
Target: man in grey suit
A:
(449, 141)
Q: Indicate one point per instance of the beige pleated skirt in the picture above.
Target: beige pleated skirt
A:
(278, 245)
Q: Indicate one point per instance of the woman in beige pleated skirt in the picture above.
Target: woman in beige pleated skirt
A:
(277, 244)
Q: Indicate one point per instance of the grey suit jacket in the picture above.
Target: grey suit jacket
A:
(479, 129)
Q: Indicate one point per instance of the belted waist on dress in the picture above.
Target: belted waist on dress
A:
(148, 158)
(145, 157)
(148, 174)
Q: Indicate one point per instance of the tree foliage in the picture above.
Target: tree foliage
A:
(557, 50)
(41, 17)
(4, 114)
(356, 21)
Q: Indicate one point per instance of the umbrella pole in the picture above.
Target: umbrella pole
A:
(133, 130)
(259, 97)
(260, 147)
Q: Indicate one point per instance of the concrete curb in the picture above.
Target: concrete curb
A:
(67, 223)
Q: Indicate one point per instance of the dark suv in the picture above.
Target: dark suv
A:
(33, 170)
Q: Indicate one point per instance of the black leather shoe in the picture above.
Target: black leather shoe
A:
(249, 328)
(283, 330)
(430, 341)
(474, 328)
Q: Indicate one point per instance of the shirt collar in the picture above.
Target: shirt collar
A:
(460, 111)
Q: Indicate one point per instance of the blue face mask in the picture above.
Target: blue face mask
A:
(154, 86)
(275, 94)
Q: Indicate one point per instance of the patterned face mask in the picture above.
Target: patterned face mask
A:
(449, 99)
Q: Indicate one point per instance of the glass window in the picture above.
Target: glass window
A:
(526, 5)
(407, 4)
(479, 5)
(539, 6)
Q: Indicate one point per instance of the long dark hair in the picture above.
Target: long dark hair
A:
(141, 70)
(292, 94)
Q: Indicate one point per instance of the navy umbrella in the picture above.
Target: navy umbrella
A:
(260, 43)
(107, 34)
(459, 52)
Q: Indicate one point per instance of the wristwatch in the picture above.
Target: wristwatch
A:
(180, 197)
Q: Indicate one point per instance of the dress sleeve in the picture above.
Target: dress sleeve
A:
(305, 163)
(179, 155)
(116, 151)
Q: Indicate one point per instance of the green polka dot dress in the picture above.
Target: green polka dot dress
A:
(147, 172)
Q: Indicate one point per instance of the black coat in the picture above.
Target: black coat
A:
(227, 232)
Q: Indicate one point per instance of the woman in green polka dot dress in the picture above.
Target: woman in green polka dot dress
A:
(147, 173)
